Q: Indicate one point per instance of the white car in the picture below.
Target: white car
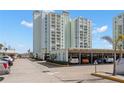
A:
(8, 59)
(4, 67)
(74, 60)
(109, 60)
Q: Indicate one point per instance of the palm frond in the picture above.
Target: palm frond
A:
(107, 38)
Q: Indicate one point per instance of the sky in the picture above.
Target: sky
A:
(16, 27)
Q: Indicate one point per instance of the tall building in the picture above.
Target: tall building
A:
(52, 31)
(80, 33)
(38, 36)
(57, 29)
(83, 28)
(49, 32)
(118, 26)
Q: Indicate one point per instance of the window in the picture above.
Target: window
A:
(81, 26)
(119, 16)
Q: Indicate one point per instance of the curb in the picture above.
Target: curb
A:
(114, 78)
(58, 64)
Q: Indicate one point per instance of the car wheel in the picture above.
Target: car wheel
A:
(8, 71)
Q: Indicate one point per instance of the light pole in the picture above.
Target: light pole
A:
(95, 63)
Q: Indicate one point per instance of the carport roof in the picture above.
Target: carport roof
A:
(79, 50)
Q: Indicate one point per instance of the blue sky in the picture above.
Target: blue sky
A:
(16, 27)
(14, 31)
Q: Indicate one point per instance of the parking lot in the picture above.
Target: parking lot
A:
(27, 71)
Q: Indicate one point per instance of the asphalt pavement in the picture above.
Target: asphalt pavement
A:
(27, 71)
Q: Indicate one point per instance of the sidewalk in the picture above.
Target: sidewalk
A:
(25, 71)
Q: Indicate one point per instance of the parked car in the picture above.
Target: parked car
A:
(9, 59)
(85, 61)
(74, 60)
(109, 60)
(4, 67)
(99, 61)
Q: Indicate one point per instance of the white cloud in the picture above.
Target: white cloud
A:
(48, 11)
(98, 42)
(20, 45)
(94, 31)
(102, 44)
(102, 29)
(107, 45)
(27, 24)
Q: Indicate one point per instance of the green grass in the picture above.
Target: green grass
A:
(59, 62)
(1, 78)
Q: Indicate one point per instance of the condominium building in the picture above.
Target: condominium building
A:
(53, 31)
(57, 28)
(83, 28)
(49, 32)
(118, 26)
(38, 36)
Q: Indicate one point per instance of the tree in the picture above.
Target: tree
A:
(1, 46)
(5, 49)
(115, 45)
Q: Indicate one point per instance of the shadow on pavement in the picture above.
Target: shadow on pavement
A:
(50, 65)
(81, 81)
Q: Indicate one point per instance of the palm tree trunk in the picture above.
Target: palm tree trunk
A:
(114, 67)
(121, 56)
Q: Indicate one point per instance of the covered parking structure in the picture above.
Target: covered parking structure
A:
(64, 55)
(92, 54)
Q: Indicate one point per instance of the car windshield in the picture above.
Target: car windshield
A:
(5, 57)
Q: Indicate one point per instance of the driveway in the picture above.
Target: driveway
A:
(26, 71)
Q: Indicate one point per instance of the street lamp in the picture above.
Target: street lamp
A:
(95, 63)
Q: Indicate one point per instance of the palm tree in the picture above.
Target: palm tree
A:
(1, 46)
(115, 44)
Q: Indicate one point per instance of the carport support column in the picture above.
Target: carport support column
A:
(91, 58)
(66, 55)
(79, 57)
(102, 57)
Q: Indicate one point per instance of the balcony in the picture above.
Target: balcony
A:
(53, 34)
(53, 25)
(58, 32)
(53, 38)
(53, 42)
